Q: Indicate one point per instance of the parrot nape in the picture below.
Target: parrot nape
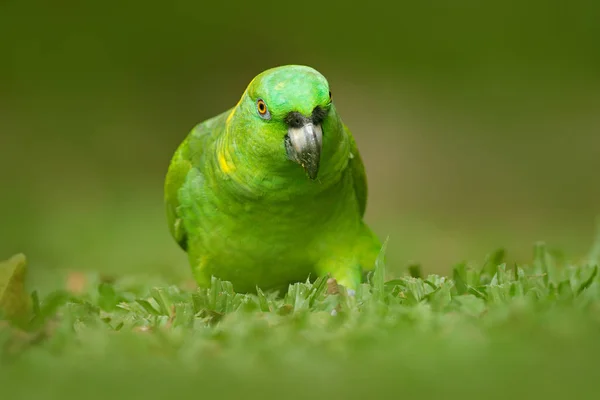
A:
(272, 191)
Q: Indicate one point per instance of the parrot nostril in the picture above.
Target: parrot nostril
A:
(295, 120)
(318, 115)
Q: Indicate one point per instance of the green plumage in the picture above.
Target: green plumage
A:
(244, 209)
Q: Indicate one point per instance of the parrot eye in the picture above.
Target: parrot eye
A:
(262, 109)
(329, 95)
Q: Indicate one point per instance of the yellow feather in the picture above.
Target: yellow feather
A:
(226, 165)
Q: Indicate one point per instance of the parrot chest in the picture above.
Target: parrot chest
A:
(285, 228)
(270, 240)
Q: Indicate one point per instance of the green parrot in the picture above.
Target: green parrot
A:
(272, 191)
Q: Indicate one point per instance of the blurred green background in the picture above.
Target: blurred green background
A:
(478, 121)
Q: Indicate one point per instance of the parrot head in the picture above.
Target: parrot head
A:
(286, 117)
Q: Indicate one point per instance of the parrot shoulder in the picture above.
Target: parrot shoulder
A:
(189, 152)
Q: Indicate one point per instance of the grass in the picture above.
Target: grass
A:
(488, 331)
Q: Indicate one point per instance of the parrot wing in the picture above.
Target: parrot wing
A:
(177, 173)
(359, 175)
(188, 154)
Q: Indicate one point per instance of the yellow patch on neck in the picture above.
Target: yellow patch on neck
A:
(225, 163)
(230, 115)
(228, 120)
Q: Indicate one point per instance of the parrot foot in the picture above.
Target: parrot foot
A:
(345, 272)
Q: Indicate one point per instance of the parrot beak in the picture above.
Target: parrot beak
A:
(303, 145)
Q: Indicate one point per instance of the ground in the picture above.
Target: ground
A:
(491, 330)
